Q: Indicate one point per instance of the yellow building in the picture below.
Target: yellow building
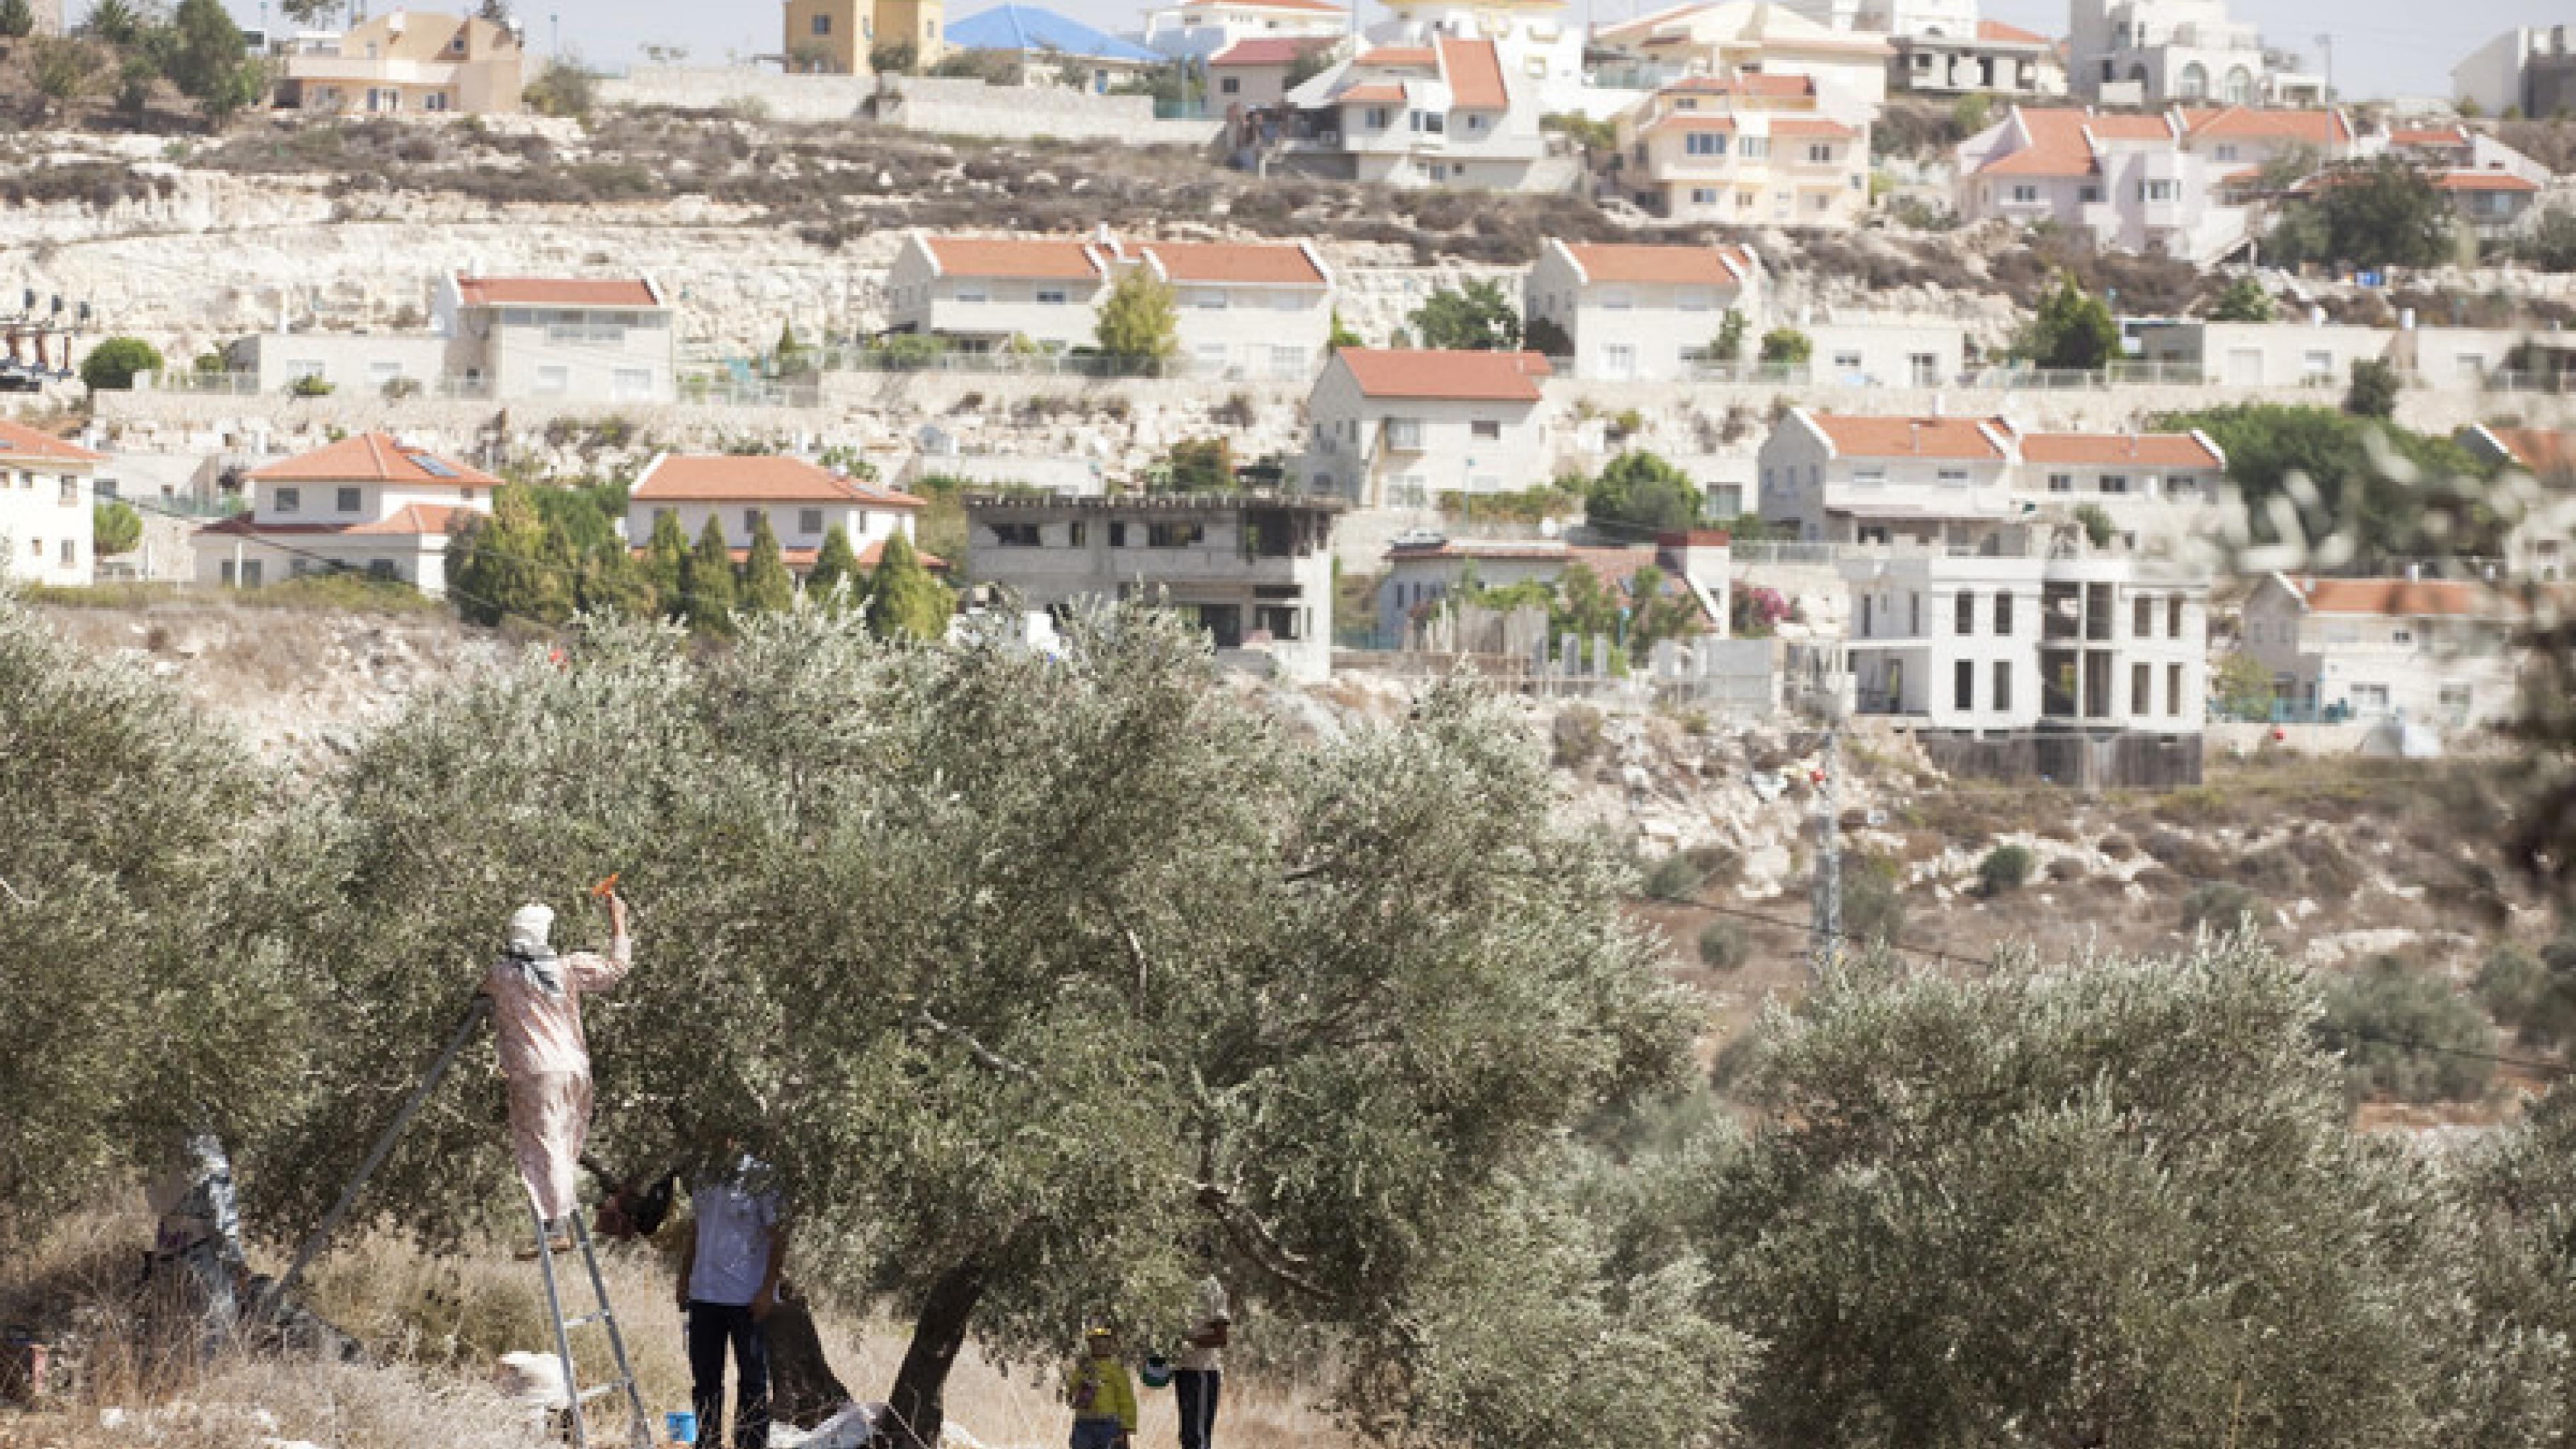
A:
(409, 61)
(838, 36)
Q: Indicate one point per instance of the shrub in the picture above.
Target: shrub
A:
(2534, 995)
(1576, 736)
(1724, 945)
(1686, 873)
(2067, 869)
(2220, 907)
(2118, 846)
(113, 365)
(2373, 393)
(2406, 1034)
(309, 385)
(1787, 345)
(1873, 900)
(2097, 524)
(2005, 868)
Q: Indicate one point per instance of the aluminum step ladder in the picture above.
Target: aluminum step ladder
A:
(640, 1425)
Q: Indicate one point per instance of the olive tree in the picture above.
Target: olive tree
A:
(145, 882)
(1046, 986)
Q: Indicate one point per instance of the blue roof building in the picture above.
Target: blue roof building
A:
(1045, 40)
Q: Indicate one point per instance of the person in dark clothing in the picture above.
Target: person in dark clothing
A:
(728, 1288)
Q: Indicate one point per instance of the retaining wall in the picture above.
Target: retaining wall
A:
(951, 106)
(708, 88)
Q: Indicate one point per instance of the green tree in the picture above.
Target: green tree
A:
(707, 588)
(1787, 346)
(1731, 328)
(565, 87)
(65, 70)
(1200, 465)
(17, 19)
(2006, 868)
(904, 600)
(1544, 337)
(666, 563)
(1969, 113)
(310, 12)
(2243, 300)
(1139, 320)
(898, 58)
(116, 528)
(153, 873)
(1657, 612)
(2095, 520)
(2373, 393)
(789, 354)
(503, 565)
(2442, 508)
(2071, 330)
(209, 61)
(2243, 684)
(767, 586)
(1476, 317)
(113, 364)
(836, 569)
(2380, 213)
(1640, 493)
(2129, 1208)
(118, 22)
(1342, 335)
(1585, 606)
(2406, 1034)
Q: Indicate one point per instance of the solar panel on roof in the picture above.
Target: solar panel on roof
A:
(431, 466)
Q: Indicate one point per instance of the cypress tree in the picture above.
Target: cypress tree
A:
(707, 583)
(767, 587)
(837, 565)
(905, 601)
(502, 565)
(666, 563)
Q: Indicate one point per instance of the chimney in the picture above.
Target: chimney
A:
(1936, 405)
(2316, 316)
(1914, 434)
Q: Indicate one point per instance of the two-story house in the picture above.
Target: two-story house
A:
(408, 62)
(1647, 313)
(2429, 652)
(1201, 29)
(2242, 142)
(1442, 113)
(982, 293)
(2153, 52)
(2033, 636)
(369, 504)
(1254, 74)
(1246, 309)
(1255, 571)
(561, 339)
(845, 37)
(802, 502)
(1422, 570)
(2127, 181)
(47, 489)
(1954, 482)
(1987, 57)
(1847, 68)
(1393, 428)
(1743, 150)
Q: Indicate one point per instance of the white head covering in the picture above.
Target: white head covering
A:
(529, 926)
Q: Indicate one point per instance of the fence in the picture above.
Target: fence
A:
(246, 384)
(1035, 364)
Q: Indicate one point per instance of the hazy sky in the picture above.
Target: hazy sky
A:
(2381, 47)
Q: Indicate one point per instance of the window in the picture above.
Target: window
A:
(2401, 634)
(1619, 359)
(434, 101)
(2158, 190)
(2023, 194)
(1703, 196)
(1175, 535)
(1117, 534)
(809, 521)
(1051, 296)
(1914, 629)
(554, 381)
(1486, 431)
(1954, 477)
(1963, 685)
(1868, 477)
(1404, 432)
(289, 500)
(1017, 535)
(2226, 151)
(2142, 687)
(1231, 85)
(2003, 682)
(1378, 116)
(2317, 366)
(2003, 617)
(1966, 613)
(1704, 143)
(822, 25)
(2142, 618)
(631, 383)
(2089, 194)
(2173, 689)
(1753, 148)
(971, 293)
(2114, 483)
(348, 500)
(1077, 534)
(1820, 152)
(2457, 701)
(2173, 617)
(1205, 299)
(1865, 629)
(69, 497)
(71, 553)
(1846, 362)
(2061, 482)
(1616, 299)
(1430, 123)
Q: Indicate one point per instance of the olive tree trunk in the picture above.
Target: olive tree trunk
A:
(917, 1407)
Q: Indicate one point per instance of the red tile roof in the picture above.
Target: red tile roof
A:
(802, 560)
(2420, 136)
(2396, 598)
(2538, 450)
(1401, 55)
(1997, 31)
(1691, 121)
(1273, 264)
(1808, 127)
(2159, 450)
(762, 478)
(1318, 7)
(18, 444)
(1048, 259)
(1943, 437)
(557, 292)
(1446, 376)
(2483, 181)
(1268, 51)
(1475, 72)
(2244, 123)
(1653, 265)
(374, 458)
(418, 520)
(1751, 83)
(2062, 140)
(1382, 93)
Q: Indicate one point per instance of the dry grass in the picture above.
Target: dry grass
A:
(438, 1324)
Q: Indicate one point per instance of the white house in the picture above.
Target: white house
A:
(2428, 652)
(2241, 141)
(1748, 37)
(802, 502)
(1253, 570)
(983, 292)
(1423, 569)
(2541, 542)
(1254, 73)
(2530, 69)
(2151, 52)
(2127, 180)
(1989, 58)
(1888, 351)
(1538, 43)
(47, 489)
(2029, 637)
(1197, 29)
(1643, 313)
(1447, 112)
(1953, 482)
(1246, 309)
(1741, 150)
(562, 339)
(368, 504)
(1396, 428)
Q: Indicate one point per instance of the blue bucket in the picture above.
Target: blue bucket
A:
(683, 1427)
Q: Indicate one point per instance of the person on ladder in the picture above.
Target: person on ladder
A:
(536, 1026)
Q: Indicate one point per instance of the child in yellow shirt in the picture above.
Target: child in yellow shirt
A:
(1103, 1397)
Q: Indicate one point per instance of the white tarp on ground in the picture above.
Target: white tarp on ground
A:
(2399, 740)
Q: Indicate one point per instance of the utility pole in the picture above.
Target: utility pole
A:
(1825, 944)
(2326, 43)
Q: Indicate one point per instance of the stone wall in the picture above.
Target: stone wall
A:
(951, 106)
(767, 93)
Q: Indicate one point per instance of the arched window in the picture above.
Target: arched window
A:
(2195, 81)
(2240, 86)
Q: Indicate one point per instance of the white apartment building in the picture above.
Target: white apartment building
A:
(1641, 313)
(1254, 571)
(1989, 58)
(1886, 351)
(2030, 637)
(2320, 354)
(1247, 309)
(350, 364)
(47, 489)
(1391, 428)
(1538, 43)
(1955, 483)
(1895, 18)
(368, 504)
(2530, 69)
(1748, 37)
(2152, 52)
(562, 339)
(1198, 29)
(2428, 652)
(981, 293)
(1743, 150)
(1443, 113)
(2127, 180)
(802, 502)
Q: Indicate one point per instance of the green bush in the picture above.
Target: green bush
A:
(113, 365)
(1576, 736)
(1724, 945)
(115, 528)
(1685, 874)
(2220, 907)
(1873, 900)
(2005, 868)
(2535, 995)
(2406, 1034)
